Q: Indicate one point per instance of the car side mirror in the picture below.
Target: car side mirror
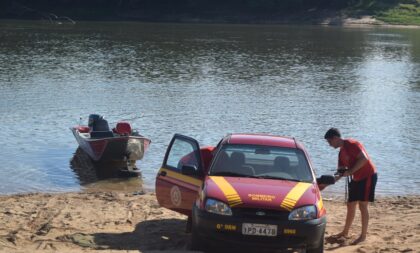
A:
(189, 170)
(326, 180)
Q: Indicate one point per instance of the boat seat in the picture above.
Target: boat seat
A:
(101, 134)
(83, 129)
(123, 128)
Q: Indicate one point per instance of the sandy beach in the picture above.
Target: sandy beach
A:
(122, 222)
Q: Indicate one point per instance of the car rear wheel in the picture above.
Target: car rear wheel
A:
(319, 249)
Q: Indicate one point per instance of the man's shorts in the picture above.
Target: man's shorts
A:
(363, 190)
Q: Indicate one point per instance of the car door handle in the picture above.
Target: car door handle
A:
(162, 173)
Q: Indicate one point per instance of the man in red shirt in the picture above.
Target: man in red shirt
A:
(354, 163)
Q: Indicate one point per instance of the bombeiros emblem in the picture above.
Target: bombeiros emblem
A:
(176, 196)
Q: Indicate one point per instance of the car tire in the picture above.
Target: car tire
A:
(319, 249)
(196, 241)
(188, 225)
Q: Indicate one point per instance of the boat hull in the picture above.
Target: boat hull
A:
(118, 148)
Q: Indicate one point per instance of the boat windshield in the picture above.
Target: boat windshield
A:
(262, 162)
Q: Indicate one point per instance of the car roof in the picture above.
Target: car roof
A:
(261, 139)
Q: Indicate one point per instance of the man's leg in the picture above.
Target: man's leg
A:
(351, 212)
(368, 195)
(363, 206)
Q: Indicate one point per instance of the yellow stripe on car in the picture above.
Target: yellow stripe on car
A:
(320, 204)
(294, 195)
(230, 193)
(181, 177)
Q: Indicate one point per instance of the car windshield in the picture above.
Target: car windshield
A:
(261, 162)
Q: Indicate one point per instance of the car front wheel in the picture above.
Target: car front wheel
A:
(196, 241)
(319, 249)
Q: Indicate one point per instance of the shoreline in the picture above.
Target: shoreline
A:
(103, 186)
(367, 21)
(134, 222)
(326, 195)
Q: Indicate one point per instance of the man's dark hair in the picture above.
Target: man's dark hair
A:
(331, 133)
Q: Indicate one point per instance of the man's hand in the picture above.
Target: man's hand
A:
(337, 177)
(340, 173)
(347, 173)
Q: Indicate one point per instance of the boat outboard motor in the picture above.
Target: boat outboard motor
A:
(92, 119)
(98, 123)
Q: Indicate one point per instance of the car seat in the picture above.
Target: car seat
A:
(222, 163)
(282, 164)
(237, 164)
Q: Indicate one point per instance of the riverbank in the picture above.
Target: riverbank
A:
(121, 222)
(364, 12)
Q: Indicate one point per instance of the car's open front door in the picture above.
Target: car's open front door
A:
(181, 175)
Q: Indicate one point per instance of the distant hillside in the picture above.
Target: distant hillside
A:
(232, 11)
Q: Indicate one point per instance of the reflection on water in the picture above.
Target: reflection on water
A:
(103, 175)
(206, 81)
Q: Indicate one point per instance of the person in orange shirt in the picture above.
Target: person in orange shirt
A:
(354, 162)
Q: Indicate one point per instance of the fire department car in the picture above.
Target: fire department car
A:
(249, 190)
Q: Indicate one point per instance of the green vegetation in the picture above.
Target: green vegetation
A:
(244, 11)
(406, 12)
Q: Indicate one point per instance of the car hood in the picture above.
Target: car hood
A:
(260, 193)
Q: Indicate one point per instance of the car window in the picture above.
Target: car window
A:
(182, 153)
(262, 161)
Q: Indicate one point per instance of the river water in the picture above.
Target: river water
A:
(205, 81)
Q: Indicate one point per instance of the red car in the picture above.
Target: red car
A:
(250, 190)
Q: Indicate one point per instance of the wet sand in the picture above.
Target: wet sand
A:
(121, 222)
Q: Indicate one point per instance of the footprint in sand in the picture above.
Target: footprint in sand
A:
(362, 250)
(46, 246)
(409, 206)
(340, 241)
(407, 250)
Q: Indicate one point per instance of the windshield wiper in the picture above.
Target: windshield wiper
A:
(234, 174)
(279, 178)
(229, 173)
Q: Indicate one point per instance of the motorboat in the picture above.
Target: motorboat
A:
(121, 143)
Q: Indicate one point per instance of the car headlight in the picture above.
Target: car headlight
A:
(303, 213)
(218, 207)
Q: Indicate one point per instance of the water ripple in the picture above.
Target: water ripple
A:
(205, 81)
